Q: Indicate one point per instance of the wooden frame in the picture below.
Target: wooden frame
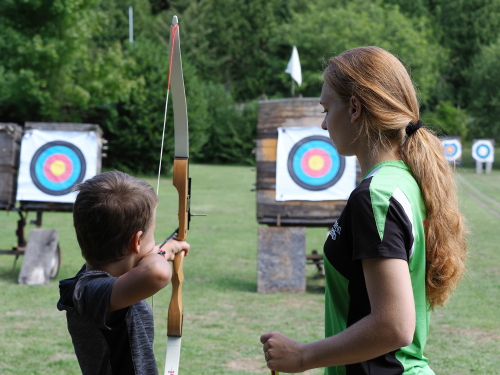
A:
(297, 112)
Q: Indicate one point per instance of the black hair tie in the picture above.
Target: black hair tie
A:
(412, 127)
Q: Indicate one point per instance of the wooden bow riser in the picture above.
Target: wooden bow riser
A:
(175, 310)
(181, 183)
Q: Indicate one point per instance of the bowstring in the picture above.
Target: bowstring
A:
(174, 32)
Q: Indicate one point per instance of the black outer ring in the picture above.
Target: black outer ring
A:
(37, 155)
(302, 183)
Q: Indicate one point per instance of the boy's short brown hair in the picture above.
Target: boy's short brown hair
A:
(109, 209)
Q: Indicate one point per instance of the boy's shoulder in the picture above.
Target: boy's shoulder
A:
(84, 288)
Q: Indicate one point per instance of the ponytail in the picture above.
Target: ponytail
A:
(445, 231)
(382, 84)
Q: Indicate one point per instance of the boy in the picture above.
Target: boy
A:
(110, 323)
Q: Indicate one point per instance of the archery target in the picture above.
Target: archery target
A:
(483, 151)
(56, 167)
(308, 167)
(53, 162)
(452, 149)
(314, 163)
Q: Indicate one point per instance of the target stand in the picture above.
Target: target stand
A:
(483, 151)
(312, 165)
(47, 170)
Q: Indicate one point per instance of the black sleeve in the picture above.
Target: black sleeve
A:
(396, 239)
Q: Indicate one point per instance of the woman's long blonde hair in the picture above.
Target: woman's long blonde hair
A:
(384, 88)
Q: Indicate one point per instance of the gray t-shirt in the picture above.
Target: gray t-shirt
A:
(120, 343)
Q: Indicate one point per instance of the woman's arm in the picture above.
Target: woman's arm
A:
(389, 326)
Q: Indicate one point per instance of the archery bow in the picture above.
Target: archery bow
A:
(182, 183)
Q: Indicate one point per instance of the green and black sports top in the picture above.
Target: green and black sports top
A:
(384, 217)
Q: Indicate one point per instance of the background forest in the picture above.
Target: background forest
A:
(71, 60)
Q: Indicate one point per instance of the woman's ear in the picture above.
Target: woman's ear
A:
(355, 108)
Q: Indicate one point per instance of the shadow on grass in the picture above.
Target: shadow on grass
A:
(6, 274)
(315, 286)
(237, 284)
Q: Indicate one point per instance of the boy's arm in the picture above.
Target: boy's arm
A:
(151, 274)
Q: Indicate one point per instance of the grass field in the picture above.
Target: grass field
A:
(224, 316)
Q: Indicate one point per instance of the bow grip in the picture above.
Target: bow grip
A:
(175, 310)
(181, 183)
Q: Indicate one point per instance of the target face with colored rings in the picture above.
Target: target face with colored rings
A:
(452, 149)
(56, 167)
(315, 164)
(483, 151)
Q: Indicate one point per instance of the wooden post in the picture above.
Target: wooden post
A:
(281, 260)
(479, 167)
(10, 141)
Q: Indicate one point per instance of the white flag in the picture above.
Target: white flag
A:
(293, 67)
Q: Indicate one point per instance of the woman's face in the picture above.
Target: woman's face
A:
(340, 120)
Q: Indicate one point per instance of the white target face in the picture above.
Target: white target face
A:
(53, 162)
(452, 149)
(308, 167)
(483, 151)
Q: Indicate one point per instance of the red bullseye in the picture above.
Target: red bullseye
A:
(316, 162)
(57, 168)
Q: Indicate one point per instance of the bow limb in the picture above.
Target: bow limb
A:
(180, 174)
(182, 183)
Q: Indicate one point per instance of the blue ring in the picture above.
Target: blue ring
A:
(39, 158)
(481, 146)
(335, 173)
(70, 181)
(299, 155)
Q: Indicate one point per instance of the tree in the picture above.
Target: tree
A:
(485, 92)
(447, 119)
(134, 125)
(228, 41)
(39, 42)
(48, 70)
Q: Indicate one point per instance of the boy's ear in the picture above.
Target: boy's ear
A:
(135, 243)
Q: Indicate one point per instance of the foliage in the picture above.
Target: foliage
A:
(229, 42)
(447, 119)
(485, 92)
(40, 42)
(323, 31)
(48, 70)
(466, 27)
(134, 126)
(231, 131)
(70, 60)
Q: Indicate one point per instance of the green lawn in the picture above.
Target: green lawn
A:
(223, 314)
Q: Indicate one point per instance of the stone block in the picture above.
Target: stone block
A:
(40, 258)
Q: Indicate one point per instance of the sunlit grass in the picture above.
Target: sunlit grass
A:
(224, 316)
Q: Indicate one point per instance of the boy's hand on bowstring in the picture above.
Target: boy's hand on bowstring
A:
(172, 247)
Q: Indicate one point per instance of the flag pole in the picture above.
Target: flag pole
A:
(130, 25)
(293, 88)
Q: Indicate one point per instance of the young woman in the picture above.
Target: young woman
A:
(398, 248)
